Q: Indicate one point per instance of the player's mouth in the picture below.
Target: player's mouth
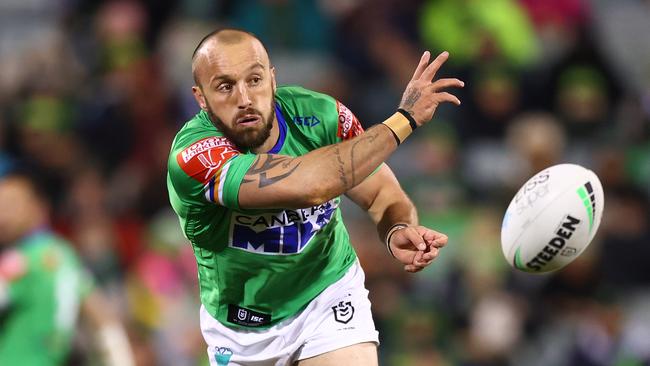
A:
(249, 119)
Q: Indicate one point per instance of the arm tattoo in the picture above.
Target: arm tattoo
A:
(371, 136)
(261, 166)
(342, 176)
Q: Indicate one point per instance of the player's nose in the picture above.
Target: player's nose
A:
(243, 97)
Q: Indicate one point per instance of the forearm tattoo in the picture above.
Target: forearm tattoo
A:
(370, 136)
(285, 165)
(263, 164)
(341, 167)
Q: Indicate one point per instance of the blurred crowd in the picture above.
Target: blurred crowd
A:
(92, 93)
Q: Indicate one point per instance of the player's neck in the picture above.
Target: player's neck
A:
(273, 138)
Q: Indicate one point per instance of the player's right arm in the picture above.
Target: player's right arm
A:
(320, 175)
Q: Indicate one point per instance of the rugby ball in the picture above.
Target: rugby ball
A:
(552, 218)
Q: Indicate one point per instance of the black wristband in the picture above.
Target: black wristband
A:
(392, 231)
(409, 117)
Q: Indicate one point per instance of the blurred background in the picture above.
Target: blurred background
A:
(92, 93)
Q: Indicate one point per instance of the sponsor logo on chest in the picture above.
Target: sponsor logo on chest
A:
(281, 233)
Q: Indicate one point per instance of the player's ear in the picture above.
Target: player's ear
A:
(200, 99)
(273, 84)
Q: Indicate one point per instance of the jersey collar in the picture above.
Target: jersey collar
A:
(282, 125)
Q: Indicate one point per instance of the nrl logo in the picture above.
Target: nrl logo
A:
(343, 312)
(242, 314)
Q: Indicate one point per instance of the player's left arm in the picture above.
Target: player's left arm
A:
(413, 245)
(110, 336)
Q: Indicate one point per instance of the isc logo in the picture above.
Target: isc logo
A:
(287, 232)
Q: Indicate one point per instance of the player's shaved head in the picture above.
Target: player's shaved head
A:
(23, 207)
(235, 86)
(214, 42)
(225, 36)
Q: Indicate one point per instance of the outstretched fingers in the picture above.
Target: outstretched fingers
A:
(438, 86)
(423, 94)
(447, 83)
(447, 97)
(424, 61)
(434, 66)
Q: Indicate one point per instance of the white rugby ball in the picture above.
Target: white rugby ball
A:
(552, 218)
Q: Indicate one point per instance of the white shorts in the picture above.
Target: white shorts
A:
(338, 317)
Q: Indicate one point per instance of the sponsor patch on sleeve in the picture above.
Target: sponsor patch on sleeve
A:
(13, 265)
(349, 125)
(207, 161)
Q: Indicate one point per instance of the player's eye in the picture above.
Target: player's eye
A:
(255, 80)
(224, 88)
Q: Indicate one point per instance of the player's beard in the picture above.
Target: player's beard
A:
(250, 137)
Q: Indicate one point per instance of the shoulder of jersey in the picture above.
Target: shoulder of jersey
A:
(309, 102)
(294, 95)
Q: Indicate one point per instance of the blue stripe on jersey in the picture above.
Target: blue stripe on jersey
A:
(283, 130)
(211, 188)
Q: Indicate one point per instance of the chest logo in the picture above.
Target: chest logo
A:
(282, 233)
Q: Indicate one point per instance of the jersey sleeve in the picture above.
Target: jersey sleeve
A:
(348, 125)
(208, 170)
(320, 117)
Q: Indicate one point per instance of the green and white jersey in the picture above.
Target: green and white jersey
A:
(258, 267)
(42, 284)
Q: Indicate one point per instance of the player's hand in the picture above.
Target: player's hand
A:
(416, 246)
(423, 95)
